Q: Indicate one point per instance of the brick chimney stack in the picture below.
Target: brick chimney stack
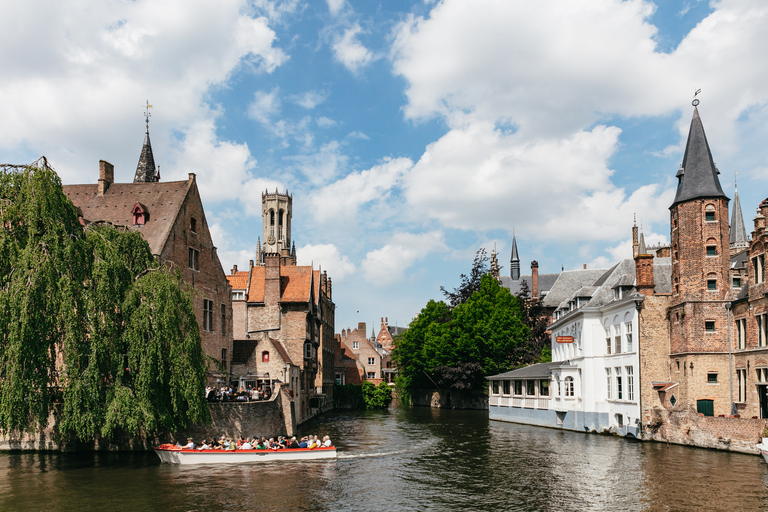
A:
(644, 274)
(534, 279)
(106, 176)
(234, 270)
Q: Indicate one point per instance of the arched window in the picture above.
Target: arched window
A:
(271, 217)
(711, 247)
(569, 386)
(265, 356)
(709, 213)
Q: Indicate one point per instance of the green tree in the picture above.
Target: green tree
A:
(469, 284)
(88, 317)
(537, 349)
(376, 397)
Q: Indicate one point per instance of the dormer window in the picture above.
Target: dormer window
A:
(140, 214)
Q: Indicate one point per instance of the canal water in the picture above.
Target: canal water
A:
(404, 459)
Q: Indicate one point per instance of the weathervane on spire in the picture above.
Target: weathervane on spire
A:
(147, 115)
(695, 101)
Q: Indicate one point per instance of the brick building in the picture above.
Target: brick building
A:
(386, 339)
(366, 351)
(283, 318)
(171, 218)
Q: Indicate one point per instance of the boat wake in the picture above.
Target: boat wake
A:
(368, 454)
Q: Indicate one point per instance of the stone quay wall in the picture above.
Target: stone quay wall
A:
(263, 418)
(447, 399)
(688, 427)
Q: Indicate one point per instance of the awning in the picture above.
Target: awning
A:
(663, 386)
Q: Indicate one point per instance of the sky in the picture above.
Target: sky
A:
(410, 134)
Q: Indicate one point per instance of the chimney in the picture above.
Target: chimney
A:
(361, 327)
(234, 270)
(585, 266)
(644, 274)
(386, 321)
(534, 279)
(106, 176)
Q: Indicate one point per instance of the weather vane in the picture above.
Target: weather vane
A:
(147, 115)
(695, 101)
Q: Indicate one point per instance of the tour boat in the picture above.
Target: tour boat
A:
(763, 447)
(175, 455)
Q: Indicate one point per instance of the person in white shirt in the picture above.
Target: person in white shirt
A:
(190, 445)
(327, 441)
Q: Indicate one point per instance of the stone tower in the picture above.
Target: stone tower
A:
(276, 212)
(700, 273)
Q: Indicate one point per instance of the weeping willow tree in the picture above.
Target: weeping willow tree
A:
(89, 319)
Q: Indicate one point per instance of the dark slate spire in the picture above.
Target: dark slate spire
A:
(514, 262)
(698, 174)
(738, 232)
(145, 171)
(641, 249)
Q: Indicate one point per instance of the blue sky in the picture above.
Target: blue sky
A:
(409, 133)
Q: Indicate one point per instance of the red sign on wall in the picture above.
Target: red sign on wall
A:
(564, 339)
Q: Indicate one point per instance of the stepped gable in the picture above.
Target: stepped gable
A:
(698, 174)
(162, 201)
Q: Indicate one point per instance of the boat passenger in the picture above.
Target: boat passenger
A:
(247, 446)
(232, 445)
(204, 446)
(327, 441)
(190, 444)
(294, 443)
(303, 443)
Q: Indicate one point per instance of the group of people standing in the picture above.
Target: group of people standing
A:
(228, 393)
(256, 443)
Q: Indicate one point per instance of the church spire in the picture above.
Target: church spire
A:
(641, 249)
(698, 174)
(145, 170)
(514, 262)
(738, 231)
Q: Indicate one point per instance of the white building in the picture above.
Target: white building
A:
(593, 384)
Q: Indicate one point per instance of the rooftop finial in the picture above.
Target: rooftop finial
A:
(695, 101)
(735, 183)
(147, 115)
(634, 218)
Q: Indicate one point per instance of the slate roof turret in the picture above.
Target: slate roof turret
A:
(145, 170)
(698, 174)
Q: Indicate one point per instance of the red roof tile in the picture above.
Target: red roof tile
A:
(239, 280)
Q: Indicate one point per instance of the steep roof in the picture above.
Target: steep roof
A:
(238, 280)
(738, 231)
(567, 283)
(513, 285)
(295, 284)
(698, 174)
(256, 290)
(145, 170)
(161, 200)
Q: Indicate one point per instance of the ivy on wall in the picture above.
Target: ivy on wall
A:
(88, 318)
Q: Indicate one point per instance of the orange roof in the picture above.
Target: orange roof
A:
(238, 280)
(295, 284)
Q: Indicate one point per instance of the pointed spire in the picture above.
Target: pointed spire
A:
(641, 249)
(145, 170)
(259, 257)
(698, 174)
(293, 251)
(738, 231)
(514, 262)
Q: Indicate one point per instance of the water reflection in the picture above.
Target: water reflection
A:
(405, 459)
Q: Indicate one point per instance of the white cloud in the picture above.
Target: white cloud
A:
(77, 74)
(323, 165)
(326, 257)
(341, 199)
(386, 266)
(348, 50)
(309, 99)
(264, 106)
(334, 6)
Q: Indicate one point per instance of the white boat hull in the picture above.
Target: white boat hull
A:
(181, 456)
(763, 447)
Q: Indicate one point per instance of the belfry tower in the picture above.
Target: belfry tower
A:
(276, 212)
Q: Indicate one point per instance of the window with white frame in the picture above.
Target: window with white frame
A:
(370, 375)
(630, 383)
(608, 340)
(371, 360)
(741, 376)
(617, 339)
(569, 387)
(194, 259)
(619, 390)
(238, 295)
(628, 335)
(762, 329)
(608, 384)
(741, 333)
(518, 387)
(355, 345)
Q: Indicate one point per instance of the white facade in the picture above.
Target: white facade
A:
(597, 380)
